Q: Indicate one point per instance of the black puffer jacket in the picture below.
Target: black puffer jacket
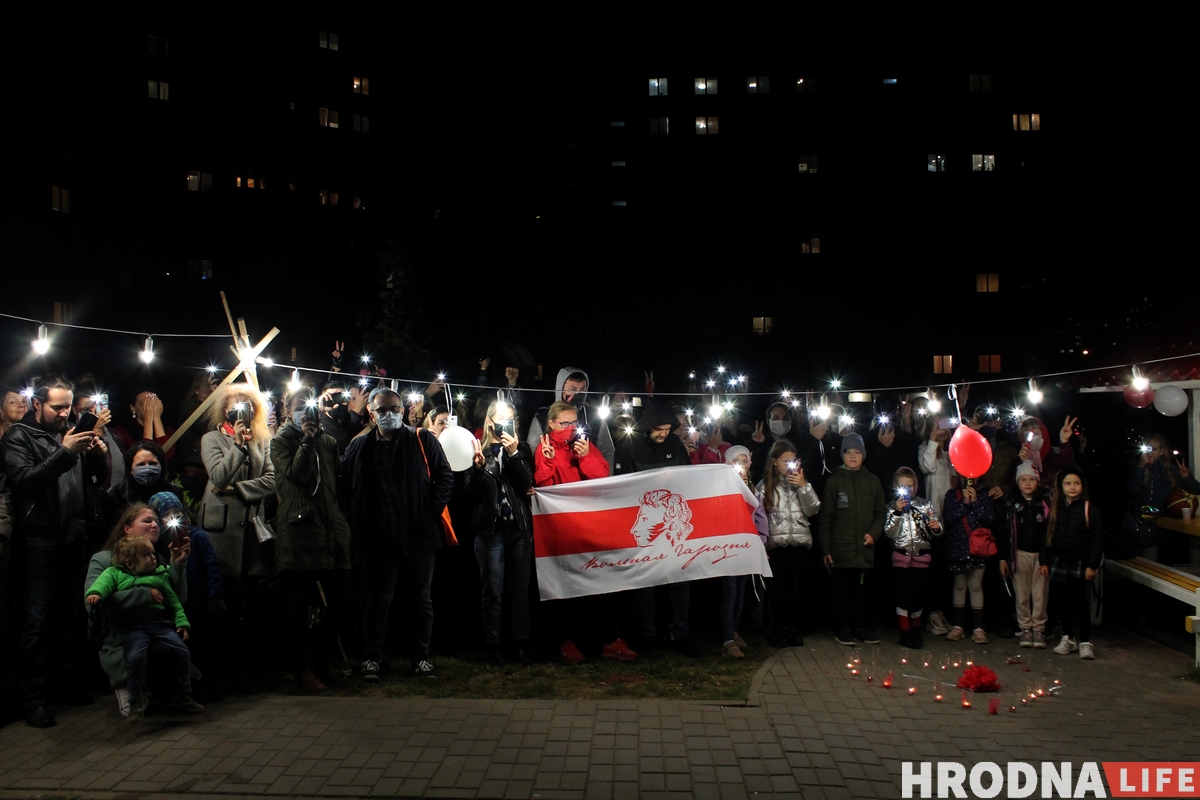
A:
(481, 487)
(1078, 531)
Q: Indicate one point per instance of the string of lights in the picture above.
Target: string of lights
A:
(717, 387)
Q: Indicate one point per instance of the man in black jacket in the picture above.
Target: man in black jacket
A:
(399, 482)
(43, 459)
(649, 446)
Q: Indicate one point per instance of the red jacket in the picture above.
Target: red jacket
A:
(703, 454)
(566, 467)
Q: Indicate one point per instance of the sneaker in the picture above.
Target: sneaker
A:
(137, 708)
(1066, 647)
(866, 636)
(956, 634)
(122, 701)
(370, 671)
(185, 702)
(844, 636)
(423, 669)
(1086, 651)
(570, 653)
(937, 624)
(619, 650)
(685, 646)
(1025, 639)
(731, 650)
(741, 643)
(1039, 640)
(978, 636)
(39, 718)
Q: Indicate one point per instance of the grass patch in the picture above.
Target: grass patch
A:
(663, 675)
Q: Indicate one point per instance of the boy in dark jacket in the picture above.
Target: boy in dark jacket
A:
(851, 521)
(1019, 550)
(1072, 556)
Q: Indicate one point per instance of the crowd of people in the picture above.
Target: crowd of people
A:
(308, 519)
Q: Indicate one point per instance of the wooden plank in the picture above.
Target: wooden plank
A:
(1165, 573)
(1152, 581)
(1191, 528)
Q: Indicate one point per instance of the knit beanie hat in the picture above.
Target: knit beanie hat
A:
(735, 451)
(852, 441)
(1026, 468)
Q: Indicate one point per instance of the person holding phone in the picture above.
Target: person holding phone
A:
(498, 489)
(241, 475)
(789, 500)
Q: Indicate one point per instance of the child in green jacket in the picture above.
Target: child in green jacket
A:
(852, 515)
(135, 565)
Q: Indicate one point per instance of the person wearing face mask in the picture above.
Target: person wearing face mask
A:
(145, 477)
(312, 540)
(399, 485)
(237, 458)
(779, 427)
(572, 387)
(43, 458)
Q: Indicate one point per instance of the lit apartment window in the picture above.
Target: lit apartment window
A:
(706, 125)
(706, 85)
(763, 325)
(935, 162)
(620, 202)
(362, 124)
(201, 269)
(1027, 122)
(983, 163)
(329, 41)
(943, 365)
(362, 85)
(60, 199)
(618, 163)
(327, 117)
(250, 180)
(890, 81)
(758, 84)
(199, 181)
(158, 45)
(358, 203)
(989, 364)
(660, 125)
(158, 90)
(808, 164)
(617, 124)
(811, 246)
(987, 282)
(804, 85)
(658, 87)
(980, 83)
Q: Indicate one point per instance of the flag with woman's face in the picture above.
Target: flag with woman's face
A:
(645, 529)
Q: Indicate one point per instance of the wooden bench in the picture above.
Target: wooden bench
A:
(1166, 580)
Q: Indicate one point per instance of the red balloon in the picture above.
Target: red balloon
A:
(970, 453)
(1138, 399)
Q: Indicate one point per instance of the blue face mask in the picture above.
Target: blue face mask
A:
(298, 418)
(146, 474)
(389, 421)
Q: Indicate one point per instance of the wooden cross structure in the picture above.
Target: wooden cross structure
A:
(248, 357)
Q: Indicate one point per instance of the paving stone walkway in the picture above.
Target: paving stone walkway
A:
(809, 729)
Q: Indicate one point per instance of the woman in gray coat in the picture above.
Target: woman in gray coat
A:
(237, 457)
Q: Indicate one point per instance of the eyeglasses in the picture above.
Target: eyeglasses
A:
(389, 409)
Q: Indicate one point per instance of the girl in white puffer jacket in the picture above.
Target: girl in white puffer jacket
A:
(789, 502)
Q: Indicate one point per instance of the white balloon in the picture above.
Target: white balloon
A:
(459, 446)
(1170, 401)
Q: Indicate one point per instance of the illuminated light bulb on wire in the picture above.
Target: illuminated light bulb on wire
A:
(1035, 394)
(294, 384)
(741, 379)
(934, 405)
(266, 362)
(147, 354)
(1141, 383)
(245, 355)
(41, 345)
(835, 384)
(823, 411)
(785, 394)
(715, 412)
(366, 359)
(691, 376)
(720, 370)
(710, 383)
(732, 382)
(460, 397)
(441, 376)
(601, 412)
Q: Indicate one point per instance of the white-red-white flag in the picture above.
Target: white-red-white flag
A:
(645, 529)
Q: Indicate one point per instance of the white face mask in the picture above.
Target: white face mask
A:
(780, 426)
(389, 421)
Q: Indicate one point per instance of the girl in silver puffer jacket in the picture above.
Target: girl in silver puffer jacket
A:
(789, 501)
(911, 524)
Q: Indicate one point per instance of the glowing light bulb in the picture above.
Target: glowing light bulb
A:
(715, 412)
(1140, 383)
(294, 384)
(741, 379)
(460, 397)
(836, 383)
(785, 394)
(147, 354)
(710, 383)
(1035, 394)
(720, 370)
(366, 359)
(602, 412)
(41, 345)
(266, 362)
